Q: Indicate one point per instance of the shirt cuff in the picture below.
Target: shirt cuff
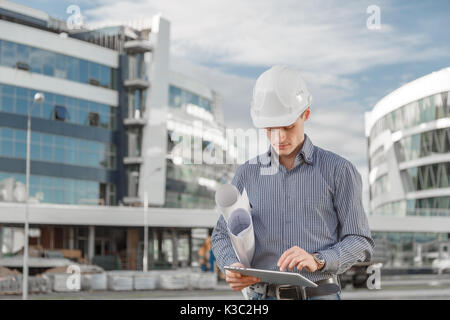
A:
(331, 261)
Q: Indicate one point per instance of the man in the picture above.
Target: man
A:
(307, 214)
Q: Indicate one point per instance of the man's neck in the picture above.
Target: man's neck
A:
(288, 160)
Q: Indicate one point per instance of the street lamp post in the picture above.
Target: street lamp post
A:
(38, 98)
(145, 258)
(145, 255)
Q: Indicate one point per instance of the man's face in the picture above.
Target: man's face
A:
(286, 139)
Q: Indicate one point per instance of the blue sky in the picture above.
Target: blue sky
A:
(348, 67)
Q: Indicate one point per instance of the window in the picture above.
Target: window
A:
(61, 65)
(19, 100)
(175, 97)
(105, 76)
(94, 72)
(60, 113)
(94, 119)
(8, 53)
(84, 74)
(7, 104)
(23, 66)
(36, 60)
(48, 63)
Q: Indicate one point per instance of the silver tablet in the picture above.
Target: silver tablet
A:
(275, 277)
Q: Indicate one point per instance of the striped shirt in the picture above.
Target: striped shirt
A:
(316, 205)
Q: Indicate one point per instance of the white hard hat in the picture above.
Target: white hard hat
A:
(279, 97)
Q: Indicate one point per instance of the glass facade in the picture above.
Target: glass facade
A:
(400, 248)
(63, 190)
(78, 111)
(377, 157)
(136, 103)
(57, 148)
(424, 110)
(434, 206)
(426, 177)
(57, 65)
(380, 186)
(192, 185)
(179, 97)
(183, 189)
(423, 145)
(134, 66)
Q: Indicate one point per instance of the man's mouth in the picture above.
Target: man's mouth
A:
(283, 146)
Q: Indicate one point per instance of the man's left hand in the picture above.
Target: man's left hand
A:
(297, 257)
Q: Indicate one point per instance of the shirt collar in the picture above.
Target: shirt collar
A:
(306, 152)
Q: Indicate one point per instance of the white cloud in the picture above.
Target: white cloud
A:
(327, 40)
(326, 37)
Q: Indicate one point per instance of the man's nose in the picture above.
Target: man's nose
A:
(279, 134)
(282, 135)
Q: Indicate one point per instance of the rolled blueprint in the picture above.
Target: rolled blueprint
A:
(240, 228)
(236, 211)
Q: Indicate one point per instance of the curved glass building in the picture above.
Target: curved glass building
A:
(408, 134)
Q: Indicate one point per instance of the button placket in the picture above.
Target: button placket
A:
(285, 207)
(288, 196)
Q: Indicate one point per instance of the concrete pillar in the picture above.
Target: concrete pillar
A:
(151, 246)
(132, 247)
(91, 243)
(160, 241)
(190, 247)
(1, 241)
(71, 238)
(174, 248)
(52, 237)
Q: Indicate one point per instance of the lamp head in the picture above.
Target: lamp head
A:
(39, 97)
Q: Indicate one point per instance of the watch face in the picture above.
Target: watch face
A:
(319, 257)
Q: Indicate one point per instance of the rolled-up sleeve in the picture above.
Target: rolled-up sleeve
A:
(355, 241)
(220, 240)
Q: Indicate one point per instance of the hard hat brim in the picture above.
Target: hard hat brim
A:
(274, 122)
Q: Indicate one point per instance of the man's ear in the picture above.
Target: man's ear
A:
(306, 113)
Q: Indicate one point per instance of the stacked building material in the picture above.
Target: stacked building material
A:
(120, 280)
(174, 280)
(146, 280)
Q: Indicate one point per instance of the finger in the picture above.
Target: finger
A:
(243, 280)
(284, 255)
(295, 261)
(234, 274)
(302, 265)
(240, 286)
(287, 261)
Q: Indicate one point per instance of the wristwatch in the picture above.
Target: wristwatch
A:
(318, 257)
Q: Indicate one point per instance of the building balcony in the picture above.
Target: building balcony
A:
(138, 46)
(132, 200)
(133, 160)
(136, 84)
(134, 122)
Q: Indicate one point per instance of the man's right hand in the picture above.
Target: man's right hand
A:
(239, 281)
